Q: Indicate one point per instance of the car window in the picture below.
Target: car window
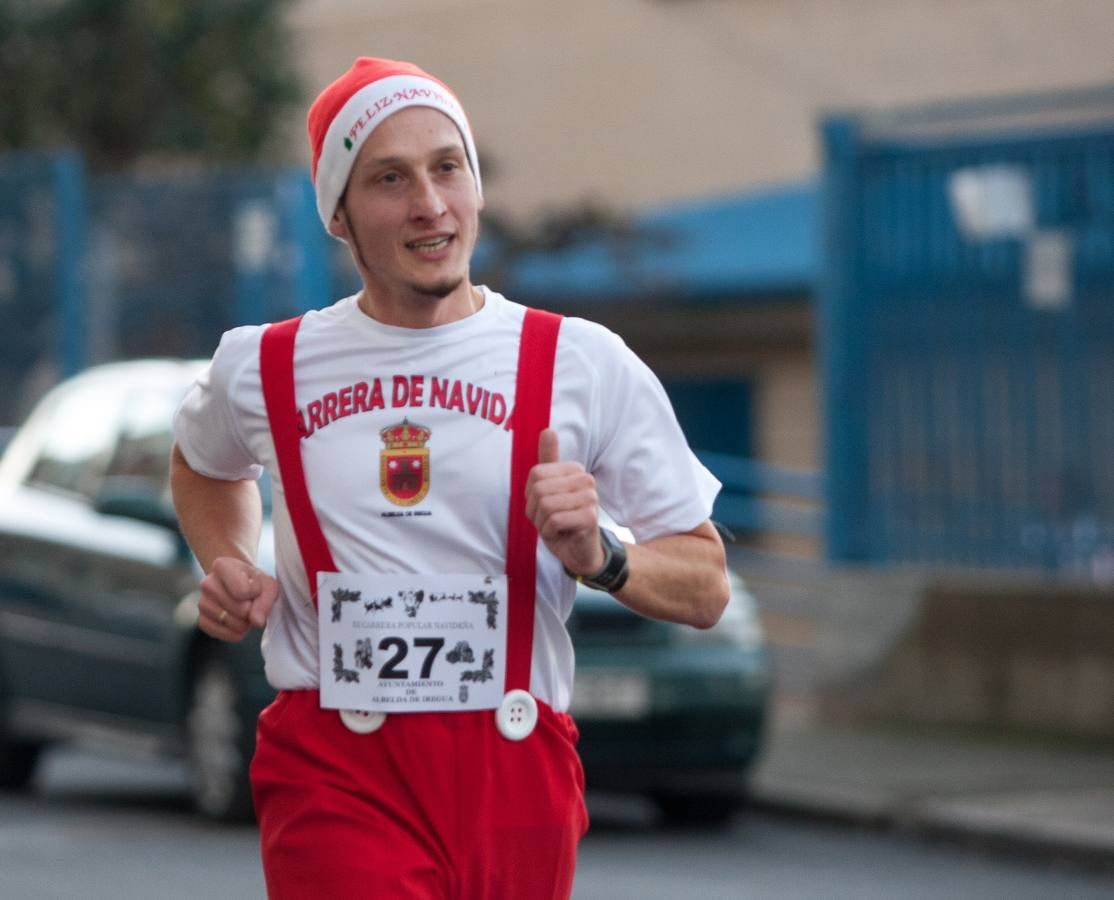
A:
(142, 451)
(79, 436)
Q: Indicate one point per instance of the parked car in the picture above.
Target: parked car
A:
(99, 636)
(668, 711)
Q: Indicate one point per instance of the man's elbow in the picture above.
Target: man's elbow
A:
(711, 598)
(712, 601)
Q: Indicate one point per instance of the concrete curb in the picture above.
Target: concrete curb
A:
(1047, 824)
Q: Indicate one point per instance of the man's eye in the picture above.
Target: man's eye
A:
(449, 166)
(389, 178)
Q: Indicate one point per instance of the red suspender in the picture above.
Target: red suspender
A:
(276, 370)
(533, 396)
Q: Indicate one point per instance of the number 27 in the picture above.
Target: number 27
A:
(401, 648)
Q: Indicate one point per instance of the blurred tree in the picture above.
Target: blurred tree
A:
(124, 79)
(508, 243)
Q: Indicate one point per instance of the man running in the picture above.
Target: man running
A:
(421, 436)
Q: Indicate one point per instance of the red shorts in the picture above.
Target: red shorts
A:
(431, 806)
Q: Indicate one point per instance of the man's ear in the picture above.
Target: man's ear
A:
(338, 224)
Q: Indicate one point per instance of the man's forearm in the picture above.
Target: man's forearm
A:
(678, 578)
(218, 518)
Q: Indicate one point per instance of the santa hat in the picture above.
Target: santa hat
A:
(350, 108)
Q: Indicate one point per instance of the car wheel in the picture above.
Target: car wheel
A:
(17, 758)
(707, 810)
(221, 737)
(17, 764)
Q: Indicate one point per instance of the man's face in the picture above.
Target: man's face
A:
(410, 212)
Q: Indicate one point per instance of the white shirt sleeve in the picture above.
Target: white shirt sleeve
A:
(646, 475)
(208, 423)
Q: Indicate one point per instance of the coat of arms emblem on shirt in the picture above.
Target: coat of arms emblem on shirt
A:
(404, 463)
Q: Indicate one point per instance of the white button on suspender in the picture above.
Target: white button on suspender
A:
(517, 715)
(362, 722)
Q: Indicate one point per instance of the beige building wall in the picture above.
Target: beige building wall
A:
(638, 102)
(787, 410)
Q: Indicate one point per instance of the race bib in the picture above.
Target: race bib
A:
(411, 643)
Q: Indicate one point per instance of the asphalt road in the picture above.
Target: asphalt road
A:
(104, 826)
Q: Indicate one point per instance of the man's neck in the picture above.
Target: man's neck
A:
(415, 310)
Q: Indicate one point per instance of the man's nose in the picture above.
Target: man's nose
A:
(426, 202)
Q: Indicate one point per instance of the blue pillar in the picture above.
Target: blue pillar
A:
(313, 283)
(68, 172)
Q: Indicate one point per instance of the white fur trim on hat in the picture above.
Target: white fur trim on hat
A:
(365, 109)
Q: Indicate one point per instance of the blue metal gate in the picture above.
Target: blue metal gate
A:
(967, 321)
(98, 267)
(41, 252)
(176, 259)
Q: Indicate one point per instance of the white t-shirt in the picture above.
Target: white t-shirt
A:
(355, 376)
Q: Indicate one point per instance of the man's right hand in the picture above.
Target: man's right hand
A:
(235, 596)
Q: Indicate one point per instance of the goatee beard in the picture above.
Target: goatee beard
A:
(438, 291)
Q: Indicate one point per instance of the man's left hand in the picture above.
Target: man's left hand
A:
(562, 503)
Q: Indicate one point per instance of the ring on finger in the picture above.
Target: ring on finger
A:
(223, 615)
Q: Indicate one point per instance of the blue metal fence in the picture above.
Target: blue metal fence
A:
(41, 253)
(101, 267)
(967, 323)
(760, 498)
(176, 260)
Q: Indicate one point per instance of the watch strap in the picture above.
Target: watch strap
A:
(615, 570)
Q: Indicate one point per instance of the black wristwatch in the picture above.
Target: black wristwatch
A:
(615, 571)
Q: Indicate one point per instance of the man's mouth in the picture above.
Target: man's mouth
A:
(430, 245)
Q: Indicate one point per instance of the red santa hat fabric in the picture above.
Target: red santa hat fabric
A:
(350, 108)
